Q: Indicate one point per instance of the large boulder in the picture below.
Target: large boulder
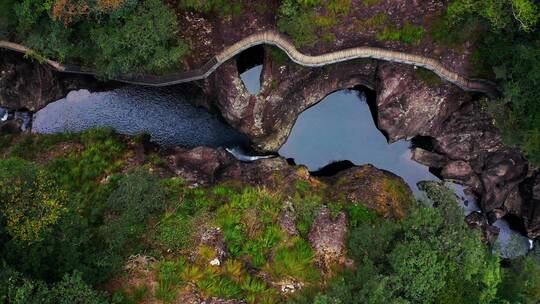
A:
(408, 106)
(286, 90)
(27, 84)
(379, 190)
(328, 237)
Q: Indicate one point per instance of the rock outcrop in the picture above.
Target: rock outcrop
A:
(26, 84)
(465, 145)
(328, 238)
(379, 190)
(286, 90)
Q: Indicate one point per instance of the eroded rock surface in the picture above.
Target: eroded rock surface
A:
(466, 146)
(328, 237)
(408, 106)
(380, 190)
(286, 91)
(26, 84)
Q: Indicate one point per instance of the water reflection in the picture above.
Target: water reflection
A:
(163, 113)
(341, 128)
(252, 79)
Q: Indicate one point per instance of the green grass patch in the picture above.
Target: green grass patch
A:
(371, 2)
(428, 76)
(377, 21)
(408, 34)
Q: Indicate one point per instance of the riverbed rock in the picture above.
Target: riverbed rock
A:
(328, 236)
(377, 189)
(501, 174)
(409, 102)
(207, 166)
(27, 84)
(530, 207)
(428, 158)
(408, 106)
(199, 165)
(286, 91)
(457, 170)
(478, 220)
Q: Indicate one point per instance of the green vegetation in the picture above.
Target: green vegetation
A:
(408, 34)
(114, 37)
(305, 23)
(509, 50)
(224, 7)
(371, 2)
(429, 257)
(149, 32)
(78, 200)
(428, 76)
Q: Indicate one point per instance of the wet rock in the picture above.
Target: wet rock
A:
(457, 170)
(530, 209)
(201, 164)
(328, 238)
(10, 126)
(514, 202)
(478, 220)
(206, 166)
(502, 173)
(428, 158)
(26, 84)
(408, 106)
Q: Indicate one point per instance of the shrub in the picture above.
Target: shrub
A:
(52, 39)
(295, 261)
(521, 281)
(175, 231)
(217, 6)
(142, 42)
(71, 289)
(6, 17)
(169, 278)
(501, 14)
(408, 34)
(298, 22)
(138, 196)
(431, 256)
(30, 201)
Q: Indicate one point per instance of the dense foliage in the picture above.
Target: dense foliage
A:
(510, 52)
(72, 214)
(114, 37)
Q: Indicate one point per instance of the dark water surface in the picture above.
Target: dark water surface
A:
(163, 113)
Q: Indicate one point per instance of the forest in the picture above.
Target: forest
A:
(72, 210)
